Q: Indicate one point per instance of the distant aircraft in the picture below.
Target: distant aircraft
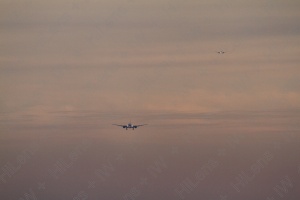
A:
(220, 52)
(129, 125)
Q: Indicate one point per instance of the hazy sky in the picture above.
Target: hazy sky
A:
(71, 68)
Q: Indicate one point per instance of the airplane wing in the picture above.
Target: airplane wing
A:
(118, 125)
(140, 125)
(124, 126)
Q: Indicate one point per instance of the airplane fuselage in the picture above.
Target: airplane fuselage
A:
(128, 126)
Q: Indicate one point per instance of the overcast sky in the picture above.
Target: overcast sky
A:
(82, 65)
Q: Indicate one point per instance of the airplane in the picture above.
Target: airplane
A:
(220, 52)
(129, 125)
